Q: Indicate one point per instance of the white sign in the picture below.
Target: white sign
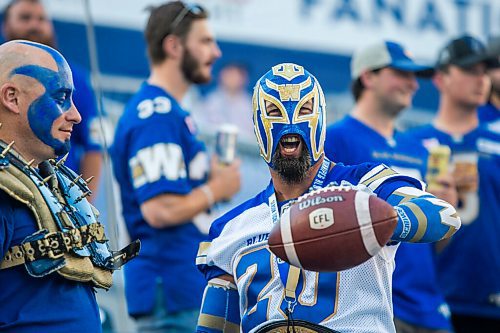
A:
(332, 26)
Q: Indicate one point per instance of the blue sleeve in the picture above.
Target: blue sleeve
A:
(422, 218)
(389, 186)
(379, 178)
(157, 161)
(220, 309)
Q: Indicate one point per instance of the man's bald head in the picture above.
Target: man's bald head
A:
(18, 53)
(36, 86)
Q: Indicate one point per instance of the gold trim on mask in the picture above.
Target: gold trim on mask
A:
(312, 118)
(267, 122)
(288, 71)
(289, 92)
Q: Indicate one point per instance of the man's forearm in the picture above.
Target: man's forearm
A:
(91, 165)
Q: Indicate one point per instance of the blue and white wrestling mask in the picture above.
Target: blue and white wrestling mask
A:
(288, 87)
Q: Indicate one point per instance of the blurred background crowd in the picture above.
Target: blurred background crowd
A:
(104, 43)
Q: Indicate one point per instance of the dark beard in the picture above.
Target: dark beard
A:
(34, 36)
(190, 68)
(292, 170)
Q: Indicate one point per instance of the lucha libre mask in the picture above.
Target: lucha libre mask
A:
(289, 86)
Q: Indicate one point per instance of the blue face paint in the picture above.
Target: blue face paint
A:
(56, 100)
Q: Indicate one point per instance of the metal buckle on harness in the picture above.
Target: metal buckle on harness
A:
(53, 245)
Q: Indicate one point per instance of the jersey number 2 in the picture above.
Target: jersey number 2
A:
(256, 273)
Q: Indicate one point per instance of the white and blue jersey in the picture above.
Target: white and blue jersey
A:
(469, 266)
(156, 152)
(416, 296)
(354, 300)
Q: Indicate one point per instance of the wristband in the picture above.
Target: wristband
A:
(209, 194)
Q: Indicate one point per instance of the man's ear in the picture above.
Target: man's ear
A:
(367, 78)
(172, 46)
(438, 80)
(9, 97)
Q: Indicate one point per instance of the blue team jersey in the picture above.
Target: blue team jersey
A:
(155, 152)
(488, 113)
(416, 295)
(47, 304)
(469, 266)
(85, 135)
(354, 300)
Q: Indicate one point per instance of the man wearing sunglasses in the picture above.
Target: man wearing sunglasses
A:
(468, 266)
(163, 171)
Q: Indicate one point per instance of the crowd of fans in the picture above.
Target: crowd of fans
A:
(171, 188)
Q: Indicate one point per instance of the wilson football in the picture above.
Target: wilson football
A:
(333, 229)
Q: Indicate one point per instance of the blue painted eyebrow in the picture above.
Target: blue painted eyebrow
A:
(44, 75)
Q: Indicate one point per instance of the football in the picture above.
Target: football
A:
(333, 229)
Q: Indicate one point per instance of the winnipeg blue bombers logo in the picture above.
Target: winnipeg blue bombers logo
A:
(288, 71)
(289, 86)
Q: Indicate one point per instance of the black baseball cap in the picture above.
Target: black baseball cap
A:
(464, 52)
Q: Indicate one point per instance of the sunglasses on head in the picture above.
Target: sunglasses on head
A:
(188, 8)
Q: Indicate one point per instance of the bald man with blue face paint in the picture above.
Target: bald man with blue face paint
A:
(53, 250)
(29, 20)
(37, 111)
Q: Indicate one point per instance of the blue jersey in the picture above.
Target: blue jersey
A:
(47, 304)
(488, 113)
(85, 135)
(354, 300)
(155, 152)
(416, 295)
(469, 266)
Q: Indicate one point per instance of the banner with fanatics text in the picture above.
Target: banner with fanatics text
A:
(331, 26)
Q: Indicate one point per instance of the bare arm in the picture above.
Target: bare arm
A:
(90, 165)
(168, 210)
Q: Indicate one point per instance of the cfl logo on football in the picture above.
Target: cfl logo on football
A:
(319, 201)
(321, 218)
